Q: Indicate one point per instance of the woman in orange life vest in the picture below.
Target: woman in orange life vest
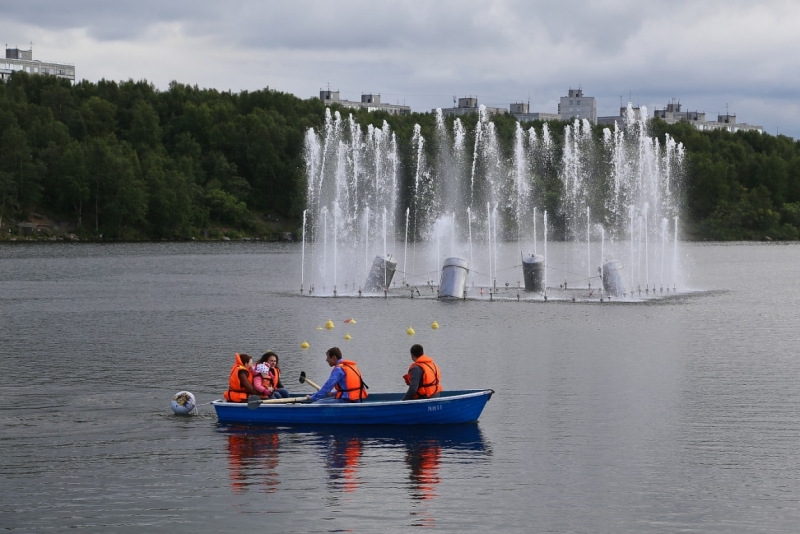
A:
(239, 384)
(423, 377)
(345, 379)
(267, 378)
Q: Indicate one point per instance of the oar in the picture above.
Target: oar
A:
(303, 380)
(254, 401)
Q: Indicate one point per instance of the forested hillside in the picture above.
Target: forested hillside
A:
(127, 161)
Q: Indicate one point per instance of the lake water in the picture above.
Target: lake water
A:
(681, 415)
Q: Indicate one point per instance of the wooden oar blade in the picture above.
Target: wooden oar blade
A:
(302, 376)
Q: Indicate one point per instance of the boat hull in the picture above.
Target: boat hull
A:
(451, 407)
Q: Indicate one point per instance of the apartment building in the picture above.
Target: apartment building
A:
(18, 60)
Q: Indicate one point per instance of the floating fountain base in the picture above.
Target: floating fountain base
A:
(613, 283)
(533, 272)
(454, 278)
(381, 274)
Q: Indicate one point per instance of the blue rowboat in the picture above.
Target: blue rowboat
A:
(450, 407)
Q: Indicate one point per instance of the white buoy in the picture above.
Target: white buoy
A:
(183, 403)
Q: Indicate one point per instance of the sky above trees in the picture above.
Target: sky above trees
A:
(709, 54)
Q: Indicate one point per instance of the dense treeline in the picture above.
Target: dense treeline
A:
(739, 186)
(128, 161)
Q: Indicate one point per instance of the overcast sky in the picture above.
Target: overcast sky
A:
(707, 53)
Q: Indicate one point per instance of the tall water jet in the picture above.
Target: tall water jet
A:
(469, 224)
(675, 255)
(544, 239)
(589, 245)
(303, 254)
(646, 254)
(664, 224)
(405, 248)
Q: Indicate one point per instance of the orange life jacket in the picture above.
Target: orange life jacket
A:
(236, 393)
(354, 384)
(273, 382)
(430, 384)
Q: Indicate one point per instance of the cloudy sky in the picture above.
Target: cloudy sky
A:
(708, 53)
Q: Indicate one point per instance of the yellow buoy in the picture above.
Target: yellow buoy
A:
(329, 325)
(347, 337)
(410, 331)
(434, 325)
(319, 328)
(352, 321)
(304, 345)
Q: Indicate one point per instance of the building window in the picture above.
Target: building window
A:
(578, 102)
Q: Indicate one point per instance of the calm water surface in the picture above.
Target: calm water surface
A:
(676, 416)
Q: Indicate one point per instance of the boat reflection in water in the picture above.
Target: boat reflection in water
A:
(253, 454)
(253, 459)
(423, 460)
(342, 459)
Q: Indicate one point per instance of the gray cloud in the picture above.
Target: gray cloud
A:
(707, 53)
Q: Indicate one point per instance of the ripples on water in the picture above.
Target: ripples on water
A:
(673, 416)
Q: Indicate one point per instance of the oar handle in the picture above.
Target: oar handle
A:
(292, 400)
(313, 385)
(304, 380)
(254, 401)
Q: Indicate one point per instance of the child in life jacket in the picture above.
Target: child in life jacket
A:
(266, 381)
(263, 380)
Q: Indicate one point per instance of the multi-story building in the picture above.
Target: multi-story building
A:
(469, 105)
(620, 119)
(22, 60)
(521, 112)
(577, 106)
(672, 113)
(369, 101)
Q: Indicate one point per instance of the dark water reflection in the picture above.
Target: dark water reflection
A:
(254, 454)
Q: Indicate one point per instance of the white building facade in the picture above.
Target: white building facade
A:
(369, 101)
(576, 105)
(17, 60)
(672, 113)
(522, 113)
(469, 104)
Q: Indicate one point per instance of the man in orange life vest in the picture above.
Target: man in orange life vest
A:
(424, 377)
(345, 382)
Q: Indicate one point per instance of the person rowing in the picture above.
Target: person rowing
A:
(345, 383)
(423, 377)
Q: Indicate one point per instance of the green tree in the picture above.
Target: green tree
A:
(119, 193)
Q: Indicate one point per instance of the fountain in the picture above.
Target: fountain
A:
(461, 194)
